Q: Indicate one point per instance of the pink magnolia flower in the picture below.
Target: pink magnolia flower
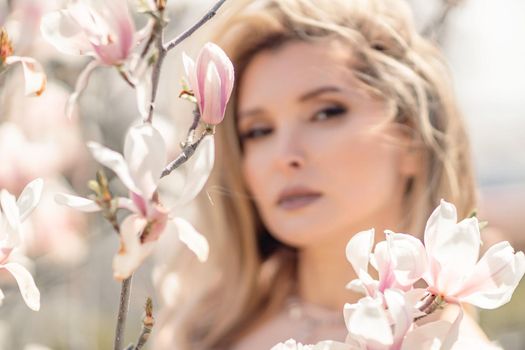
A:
(103, 29)
(454, 272)
(140, 169)
(399, 261)
(211, 80)
(374, 325)
(13, 213)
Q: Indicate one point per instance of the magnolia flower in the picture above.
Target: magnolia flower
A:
(291, 344)
(13, 213)
(104, 30)
(373, 325)
(140, 169)
(211, 80)
(34, 76)
(454, 272)
(389, 259)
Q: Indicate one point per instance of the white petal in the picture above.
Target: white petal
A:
(370, 322)
(80, 86)
(115, 162)
(34, 77)
(195, 241)
(131, 252)
(27, 286)
(75, 202)
(10, 209)
(401, 311)
(457, 251)
(494, 278)
(358, 250)
(65, 34)
(29, 198)
(1, 297)
(442, 219)
(195, 172)
(408, 257)
(427, 337)
(145, 155)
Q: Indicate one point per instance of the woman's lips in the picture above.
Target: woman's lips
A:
(299, 201)
(297, 197)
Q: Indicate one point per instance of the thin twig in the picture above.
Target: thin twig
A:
(122, 312)
(159, 33)
(147, 325)
(433, 29)
(212, 12)
(186, 154)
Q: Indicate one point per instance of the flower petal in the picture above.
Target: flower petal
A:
(115, 162)
(358, 251)
(29, 198)
(34, 76)
(442, 219)
(370, 322)
(131, 252)
(401, 311)
(195, 172)
(195, 241)
(145, 155)
(494, 278)
(75, 202)
(80, 86)
(212, 113)
(27, 285)
(10, 209)
(59, 29)
(408, 256)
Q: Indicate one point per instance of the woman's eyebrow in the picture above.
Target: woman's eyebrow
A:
(318, 91)
(304, 97)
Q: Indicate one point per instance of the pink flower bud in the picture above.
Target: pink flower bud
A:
(211, 80)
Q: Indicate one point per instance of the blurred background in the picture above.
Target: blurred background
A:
(70, 253)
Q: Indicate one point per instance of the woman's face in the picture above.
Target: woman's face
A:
(320, 159)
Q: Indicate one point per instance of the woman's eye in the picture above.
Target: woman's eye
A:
(329, 112)
(255, 133)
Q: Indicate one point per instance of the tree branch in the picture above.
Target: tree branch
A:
(211, 13)
(122, 312)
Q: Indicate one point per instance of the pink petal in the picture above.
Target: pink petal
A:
(358, 251)
(27, 286)
(145, 154)
(409, 258)
(191, 73)
(131, 252)
(34, 76)
(494, 278)
(195, 241)
(75, 202)
(212, 113)
(225, 70)
(80, 86)
(115, 162)
(29, 198)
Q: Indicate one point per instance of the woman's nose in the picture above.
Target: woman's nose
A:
(291, 153)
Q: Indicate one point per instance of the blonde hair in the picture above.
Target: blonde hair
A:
(250, 274)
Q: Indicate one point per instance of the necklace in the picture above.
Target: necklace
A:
(315, 323)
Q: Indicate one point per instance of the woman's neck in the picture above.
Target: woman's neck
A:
(323, 273)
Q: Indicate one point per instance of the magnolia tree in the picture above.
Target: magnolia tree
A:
(105, 31)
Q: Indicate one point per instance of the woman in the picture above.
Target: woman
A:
(342, 119)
